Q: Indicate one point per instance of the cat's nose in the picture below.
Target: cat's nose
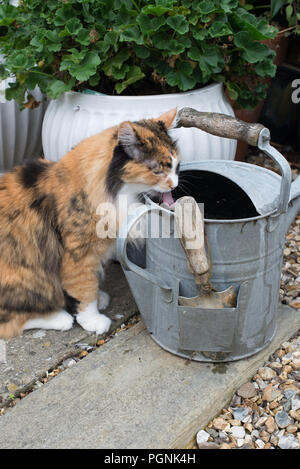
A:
(173, 181)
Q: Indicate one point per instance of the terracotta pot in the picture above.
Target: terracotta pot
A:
(279, 45)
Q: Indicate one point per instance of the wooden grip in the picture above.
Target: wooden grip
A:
(190, 230)
(219, 124)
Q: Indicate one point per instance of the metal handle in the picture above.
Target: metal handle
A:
(254, 134)
(286, 173)
(121, 249)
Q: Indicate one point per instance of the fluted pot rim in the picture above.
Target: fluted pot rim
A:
(216, 86)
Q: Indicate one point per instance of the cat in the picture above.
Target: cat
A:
(49, 247)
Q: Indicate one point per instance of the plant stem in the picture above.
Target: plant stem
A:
(136, 6)
(286, 30)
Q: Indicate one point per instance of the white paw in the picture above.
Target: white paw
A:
(60, 321)
(103, 300)
(64, 321)
(91, 321)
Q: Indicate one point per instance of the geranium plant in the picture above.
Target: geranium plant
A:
(134, 47)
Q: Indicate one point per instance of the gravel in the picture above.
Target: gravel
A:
(265, 412)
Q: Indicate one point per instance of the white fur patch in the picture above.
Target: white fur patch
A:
(92, 321)
(103, 300)
(173, 176)
(61, 321)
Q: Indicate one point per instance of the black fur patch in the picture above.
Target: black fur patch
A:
(19, 299)
(78, 203)
(32, 171)
(115, 169)
(71, 304)
(160, 132)
(45, 206)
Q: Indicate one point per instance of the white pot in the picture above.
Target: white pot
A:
(20, 131)
(76, 116)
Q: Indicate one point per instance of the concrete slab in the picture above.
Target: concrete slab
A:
(130, 393)
(25, 359)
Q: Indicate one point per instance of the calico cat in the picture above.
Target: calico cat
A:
(49, 247)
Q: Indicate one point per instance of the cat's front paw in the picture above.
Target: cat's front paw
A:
(92, 321)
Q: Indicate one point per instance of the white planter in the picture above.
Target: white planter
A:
(76, 116)
(20, 131)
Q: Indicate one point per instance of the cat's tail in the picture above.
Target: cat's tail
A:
(13, 326)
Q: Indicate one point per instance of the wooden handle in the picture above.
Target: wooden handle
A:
(220, 125)
(190, 230)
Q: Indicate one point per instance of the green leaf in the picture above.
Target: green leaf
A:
(194, 53)
(94, 80)
(266, 68)
(289, 12)
(15, 91)
(150, 25)
(258, 28)
(73, 26)
(178, 23)
(135, 74)
(8, 15)
(132, 34)
(253, 51)
(156, 10)
(81, 68)
(57, 88)
(232, 89)
(218, 29)
(206, 7)
(88, 66)
(83, 37)
(211, 60)
(116, 62)
(275, 6)
(63, 15)
(181, 76)
(141, 52)
(228, 5)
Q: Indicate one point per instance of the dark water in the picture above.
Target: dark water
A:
(222, 198)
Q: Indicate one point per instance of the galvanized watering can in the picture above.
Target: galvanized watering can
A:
(247, 211)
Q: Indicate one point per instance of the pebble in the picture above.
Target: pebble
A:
(68, 363)
(221, 424)
(241, 413)
(260, 422)
(295, 403)
(237, 431)
(282, 419)
(270, 393)
(292, 428)
(240, 442)
(264, 413)
(289, 393)
(295, 414)
(202, 437)
(288, 442)
(208, 445)
(247, 391)
(267, 373)
(260, 444)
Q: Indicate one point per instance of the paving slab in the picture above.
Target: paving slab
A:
(130, 393)
(25, 359)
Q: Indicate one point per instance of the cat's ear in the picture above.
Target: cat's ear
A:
(168, 117)
(128, 139)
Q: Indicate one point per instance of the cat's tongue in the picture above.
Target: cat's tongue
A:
(168, 199)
